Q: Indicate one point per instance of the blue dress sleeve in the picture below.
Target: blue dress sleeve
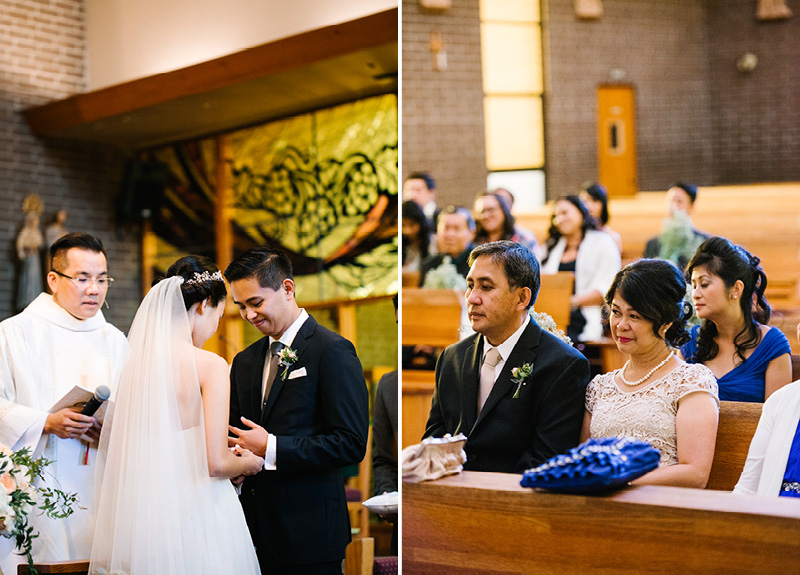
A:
(776, 344)
(689, 349)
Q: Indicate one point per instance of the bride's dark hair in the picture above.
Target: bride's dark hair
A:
(201, 280)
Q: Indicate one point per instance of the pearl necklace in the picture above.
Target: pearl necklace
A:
(646, 377)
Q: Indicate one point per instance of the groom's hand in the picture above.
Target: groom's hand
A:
(254, 439)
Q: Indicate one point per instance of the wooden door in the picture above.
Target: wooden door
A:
(616, 139)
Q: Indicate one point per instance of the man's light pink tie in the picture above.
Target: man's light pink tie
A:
(487, 375)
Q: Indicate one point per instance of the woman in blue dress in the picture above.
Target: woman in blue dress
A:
(750, 359)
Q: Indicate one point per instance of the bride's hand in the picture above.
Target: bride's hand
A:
(254, 462)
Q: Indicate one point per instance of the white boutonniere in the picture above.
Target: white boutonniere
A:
(287, 357)
(519, 375)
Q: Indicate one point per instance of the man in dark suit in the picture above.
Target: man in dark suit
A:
(299, 400)
(454, 240)
(513, 420)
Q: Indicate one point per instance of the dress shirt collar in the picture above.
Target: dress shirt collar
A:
(288, 336)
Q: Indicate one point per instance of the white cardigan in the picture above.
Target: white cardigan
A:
(597, 263)
(769, 451)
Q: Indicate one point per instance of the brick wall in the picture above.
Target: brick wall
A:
(42, 59)
(442, 112)
(662, 47)
(698, 118)
(757, 115)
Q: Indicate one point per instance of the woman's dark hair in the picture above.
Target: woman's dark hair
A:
(730, 263)
(599, 193)
(199, 282)
(481, 235)
(413, 213)
(553, 234)
(656, 289)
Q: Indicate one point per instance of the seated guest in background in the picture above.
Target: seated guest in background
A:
(494, 222)
(595, 198)
(574, 245)
(454, 238)
(773, 462)
(655, 396)
(515, 390)
(750, 359)
(679, 238)
(416, 237)
(524, 234)
(420, 187)
(384, 431)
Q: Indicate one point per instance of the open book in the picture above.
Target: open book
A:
(78, 397)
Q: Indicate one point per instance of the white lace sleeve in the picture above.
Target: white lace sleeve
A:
(697, 377)
(594, 388)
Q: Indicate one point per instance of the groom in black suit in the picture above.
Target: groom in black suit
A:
(513, 420)
(308, 417)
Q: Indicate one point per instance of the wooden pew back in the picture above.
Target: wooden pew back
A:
(761, 217)
(431, 316)
(737, 424)
(554, 296)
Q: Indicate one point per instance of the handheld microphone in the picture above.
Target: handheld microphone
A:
(100, 395)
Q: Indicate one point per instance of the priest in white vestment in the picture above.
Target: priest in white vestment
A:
(56, 343)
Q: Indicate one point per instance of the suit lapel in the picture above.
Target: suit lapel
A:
(299, 345)
(523, 352)
(470, 376)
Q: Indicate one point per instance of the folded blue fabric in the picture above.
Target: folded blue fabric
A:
(597, 465)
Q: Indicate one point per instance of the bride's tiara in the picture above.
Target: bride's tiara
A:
(205, 277)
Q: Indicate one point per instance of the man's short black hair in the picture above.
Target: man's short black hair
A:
(519, 265)
(268, 265)
(59, 249)
(430, 183)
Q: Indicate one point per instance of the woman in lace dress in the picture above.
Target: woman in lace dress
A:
(655, 396)
(750, 359)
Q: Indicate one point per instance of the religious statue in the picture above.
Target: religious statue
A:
(29, 245)
(53, 232)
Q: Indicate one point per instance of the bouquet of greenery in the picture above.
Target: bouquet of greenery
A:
(18, 497)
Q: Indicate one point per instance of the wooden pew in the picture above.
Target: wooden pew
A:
(78, 567)
(737, 424)
(761, 217)
(554, 296)
(486, 523)
(430, 317)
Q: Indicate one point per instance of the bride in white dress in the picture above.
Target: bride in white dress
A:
(167, 506)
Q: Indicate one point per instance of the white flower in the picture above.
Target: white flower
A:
(445, 276)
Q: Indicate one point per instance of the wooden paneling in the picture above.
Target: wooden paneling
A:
(486, 523)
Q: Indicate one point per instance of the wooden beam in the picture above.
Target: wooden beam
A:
(284, 55)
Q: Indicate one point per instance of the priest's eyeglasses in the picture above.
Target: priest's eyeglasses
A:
(83, 282)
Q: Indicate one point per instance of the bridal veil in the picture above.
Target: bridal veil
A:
(159, 512)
